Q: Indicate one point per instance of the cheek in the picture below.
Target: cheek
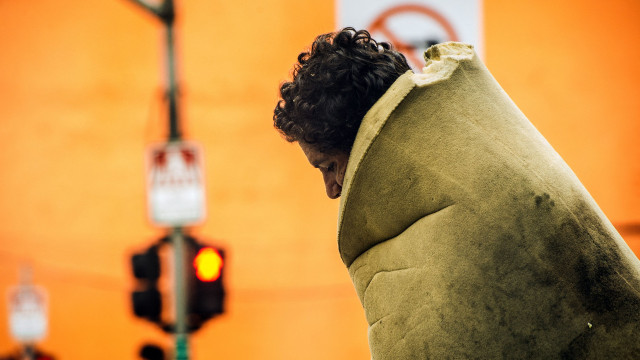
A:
(328, 178)
(340, 174)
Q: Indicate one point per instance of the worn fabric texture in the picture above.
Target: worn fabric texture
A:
(468, 237)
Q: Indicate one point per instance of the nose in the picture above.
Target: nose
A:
(332, 186)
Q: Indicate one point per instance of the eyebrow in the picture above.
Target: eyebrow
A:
(316, 162)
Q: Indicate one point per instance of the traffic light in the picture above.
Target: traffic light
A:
(204, 274)
(206, 288)
(147, 301)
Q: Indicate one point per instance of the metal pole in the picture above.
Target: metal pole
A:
(174, 130)
(165, 12)
(29, 352)
(177, 237)
(180, 294)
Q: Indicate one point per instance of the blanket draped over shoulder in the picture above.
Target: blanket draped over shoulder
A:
(467, 236)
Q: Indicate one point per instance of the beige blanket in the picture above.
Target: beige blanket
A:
(467, 236)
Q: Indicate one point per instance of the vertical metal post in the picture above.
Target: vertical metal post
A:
(177, 237)
(165, 12)
(29, 352)
(180, 294)
(172, 91)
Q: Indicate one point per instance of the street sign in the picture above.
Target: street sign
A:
(27, 313)
(414, 25)
(175, 184)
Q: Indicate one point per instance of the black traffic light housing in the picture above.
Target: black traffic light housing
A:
(147, 300)
(206, 291)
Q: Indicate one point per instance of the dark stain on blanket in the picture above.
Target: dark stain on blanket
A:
(602, 282)
(598, 265)
(544, 201)
(574, 254)
(587, 259)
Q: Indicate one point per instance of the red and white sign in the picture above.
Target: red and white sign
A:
(175, 184)
(27, 313)
(414, 25)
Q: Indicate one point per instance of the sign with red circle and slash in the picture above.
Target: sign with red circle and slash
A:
(414, 26)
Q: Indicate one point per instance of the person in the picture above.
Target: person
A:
(464, 232)
(334, 84)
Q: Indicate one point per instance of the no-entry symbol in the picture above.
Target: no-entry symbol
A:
(413, 27)
(401, 25)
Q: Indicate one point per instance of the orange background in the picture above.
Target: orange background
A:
(81, 98)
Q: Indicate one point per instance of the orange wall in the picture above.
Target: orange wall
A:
(81, 98)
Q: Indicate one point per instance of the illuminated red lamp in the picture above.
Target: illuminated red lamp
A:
(208, 264)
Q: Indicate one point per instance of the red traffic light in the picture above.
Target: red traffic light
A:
(208, 264)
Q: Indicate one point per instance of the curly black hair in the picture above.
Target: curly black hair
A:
(334, 84)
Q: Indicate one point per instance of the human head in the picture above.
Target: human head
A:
(334, 84)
